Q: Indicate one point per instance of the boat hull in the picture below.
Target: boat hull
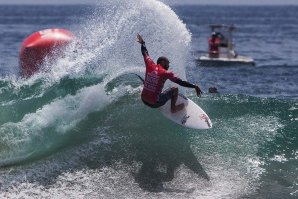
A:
(225, 61)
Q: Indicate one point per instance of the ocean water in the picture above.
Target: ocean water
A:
(78, 129)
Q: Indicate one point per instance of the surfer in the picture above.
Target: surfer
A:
(155, 77)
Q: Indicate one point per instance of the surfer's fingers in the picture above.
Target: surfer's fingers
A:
(140, 39)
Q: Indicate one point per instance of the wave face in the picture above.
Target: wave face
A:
(53, 102)
(78, 129)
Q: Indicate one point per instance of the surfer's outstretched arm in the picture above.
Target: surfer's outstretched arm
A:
(143, 46)
(189, 85)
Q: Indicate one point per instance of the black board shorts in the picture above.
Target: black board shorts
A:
(162, 99)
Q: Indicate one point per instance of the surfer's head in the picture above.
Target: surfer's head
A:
(164, 62)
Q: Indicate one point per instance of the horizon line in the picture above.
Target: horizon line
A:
(174, 4)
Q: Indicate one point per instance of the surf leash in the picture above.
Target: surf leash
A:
(139, 77)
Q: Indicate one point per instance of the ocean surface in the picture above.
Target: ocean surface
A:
(78, 129)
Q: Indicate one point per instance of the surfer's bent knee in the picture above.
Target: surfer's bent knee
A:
(175, 90)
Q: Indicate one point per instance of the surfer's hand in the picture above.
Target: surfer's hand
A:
(198, 90)
(140, 39)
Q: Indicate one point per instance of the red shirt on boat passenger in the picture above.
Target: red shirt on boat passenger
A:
(214, 42)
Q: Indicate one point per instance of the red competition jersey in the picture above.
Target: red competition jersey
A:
(155, 78)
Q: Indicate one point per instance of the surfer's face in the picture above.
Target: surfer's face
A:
(165, 64)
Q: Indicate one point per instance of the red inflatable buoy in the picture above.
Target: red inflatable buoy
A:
(42, 44)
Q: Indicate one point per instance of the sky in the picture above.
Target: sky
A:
(171, 2)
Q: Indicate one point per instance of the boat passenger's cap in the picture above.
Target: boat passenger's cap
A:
(214, 34)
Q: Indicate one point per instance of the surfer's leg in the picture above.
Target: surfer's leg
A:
(170, 94)
(175, 108)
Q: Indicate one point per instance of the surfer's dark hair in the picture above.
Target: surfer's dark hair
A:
(160, 59)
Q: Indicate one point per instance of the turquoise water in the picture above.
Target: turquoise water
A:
(78, 129)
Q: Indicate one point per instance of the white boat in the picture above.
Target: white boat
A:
(226, 54)
(224, 60)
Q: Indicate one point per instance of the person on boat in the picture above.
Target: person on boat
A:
(223, 40)
(155, 77)
(214, 42)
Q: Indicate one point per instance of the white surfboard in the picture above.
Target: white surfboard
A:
(192, 116)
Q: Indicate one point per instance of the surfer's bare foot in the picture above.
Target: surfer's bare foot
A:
(177, 108)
